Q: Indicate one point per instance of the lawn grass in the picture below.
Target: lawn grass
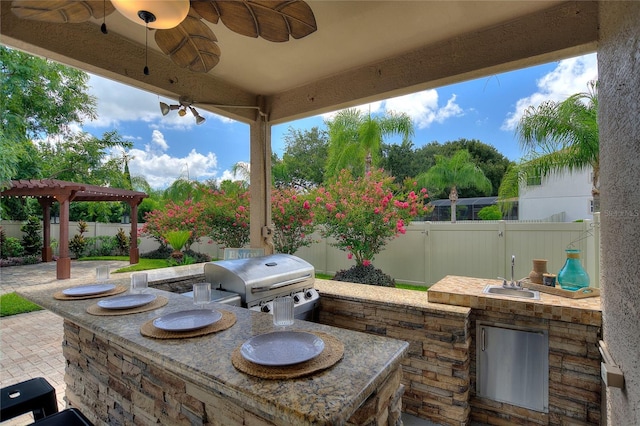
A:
(398, 285)
(12, 304)
(142, 265)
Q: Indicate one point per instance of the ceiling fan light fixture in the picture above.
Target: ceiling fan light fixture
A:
(199, 119)
(166, 108)
(167, 13)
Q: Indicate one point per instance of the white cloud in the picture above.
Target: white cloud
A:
(161, 169)
(157, 140)
(421, 107)
(117, 102)
(569, 77)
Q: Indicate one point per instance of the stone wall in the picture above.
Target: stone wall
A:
(439, 373)
(114, 386)
(436, 371)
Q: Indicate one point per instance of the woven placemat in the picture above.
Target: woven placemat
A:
(150, 330)
(119, 289)
(159, 302)
(332, 353)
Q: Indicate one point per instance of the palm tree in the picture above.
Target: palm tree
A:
(453, 173)
(561, 136)
(355, 139)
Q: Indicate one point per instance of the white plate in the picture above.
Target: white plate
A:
(88, 290)
(127, 301)
(282, 348)
(187, 320)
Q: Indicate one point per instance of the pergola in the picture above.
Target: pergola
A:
(49, 190)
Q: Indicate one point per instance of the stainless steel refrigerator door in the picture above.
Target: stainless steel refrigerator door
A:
(513, 366)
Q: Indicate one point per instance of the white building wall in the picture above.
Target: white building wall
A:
(568, 193)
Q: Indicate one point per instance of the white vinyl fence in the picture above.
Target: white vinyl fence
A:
(431, 250)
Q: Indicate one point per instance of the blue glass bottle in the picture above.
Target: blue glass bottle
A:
(572, 276)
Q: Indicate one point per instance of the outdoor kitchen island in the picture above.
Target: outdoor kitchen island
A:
(115, 375)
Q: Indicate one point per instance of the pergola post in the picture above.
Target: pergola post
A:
(47, 252)
(134, 251)
(63, 264)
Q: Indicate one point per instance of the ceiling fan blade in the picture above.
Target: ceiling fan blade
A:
(272, 20)
(61, 11)
(190, 45)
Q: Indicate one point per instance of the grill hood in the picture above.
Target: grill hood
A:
(261, 278)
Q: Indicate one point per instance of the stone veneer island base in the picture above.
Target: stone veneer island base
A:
(116, 376)
(439, 373)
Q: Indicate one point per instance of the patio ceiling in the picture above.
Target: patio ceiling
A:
(362, 51)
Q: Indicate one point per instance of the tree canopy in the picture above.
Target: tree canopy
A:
(452, 173)
(40, 98)
(355, 139)
(557, 137)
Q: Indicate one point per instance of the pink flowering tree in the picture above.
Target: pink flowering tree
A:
(227, 215)
(182, 216)
(292, 215)
(363, 214)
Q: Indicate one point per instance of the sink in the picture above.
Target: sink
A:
(524, 293)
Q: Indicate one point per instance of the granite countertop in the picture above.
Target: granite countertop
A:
(467, 292)
(390, 296)
(327, 397)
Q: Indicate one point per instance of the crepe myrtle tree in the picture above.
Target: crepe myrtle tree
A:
(292, 217)
(182, 216)
(362, 214)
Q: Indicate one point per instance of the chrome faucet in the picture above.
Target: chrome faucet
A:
(513, 284)
(513, 264)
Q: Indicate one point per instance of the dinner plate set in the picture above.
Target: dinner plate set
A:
(279, 348)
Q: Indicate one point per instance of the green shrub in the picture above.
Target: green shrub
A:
(32, 238)
(78, 243)
(122, 243)
(102, 245)
(9, 246)
(490, 213)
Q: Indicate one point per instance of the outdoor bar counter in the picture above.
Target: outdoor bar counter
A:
(115, 375)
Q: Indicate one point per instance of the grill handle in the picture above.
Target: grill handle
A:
(281, 284)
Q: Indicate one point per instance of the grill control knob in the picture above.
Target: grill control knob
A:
(296, 298)
(265, 308)
(308, 294)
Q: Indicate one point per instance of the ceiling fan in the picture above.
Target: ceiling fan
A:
(179, 28)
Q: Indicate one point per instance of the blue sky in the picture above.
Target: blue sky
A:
(169, 147)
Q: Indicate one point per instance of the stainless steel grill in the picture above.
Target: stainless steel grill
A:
(259, 280)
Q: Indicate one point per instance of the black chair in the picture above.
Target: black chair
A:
(67, 417)
(35, 395)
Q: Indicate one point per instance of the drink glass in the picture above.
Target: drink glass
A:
(139, 282)
(102, 274)
(283, 311)
(201, 294)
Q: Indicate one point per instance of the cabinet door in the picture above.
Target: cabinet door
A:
(513, 366)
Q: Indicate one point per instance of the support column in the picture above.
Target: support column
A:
(619, 109)
(47, 252)
(63, 264)
(260, 189)
(134, 251)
